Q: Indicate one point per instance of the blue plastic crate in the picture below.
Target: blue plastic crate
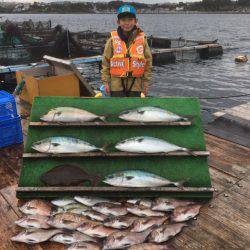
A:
(10, 132)
(7, 106)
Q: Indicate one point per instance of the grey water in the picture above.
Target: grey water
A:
(218, 82)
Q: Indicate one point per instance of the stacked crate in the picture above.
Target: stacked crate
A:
(10, 121)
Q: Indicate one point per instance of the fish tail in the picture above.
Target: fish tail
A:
(102, 118)
(184, 119)
(190, 152)
(180, 184)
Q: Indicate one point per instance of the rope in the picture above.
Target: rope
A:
(224, 97)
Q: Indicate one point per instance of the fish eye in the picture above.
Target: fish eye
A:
(58, 113)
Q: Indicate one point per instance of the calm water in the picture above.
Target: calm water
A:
(219, 77)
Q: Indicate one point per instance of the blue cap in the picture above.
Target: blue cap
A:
(128, 9)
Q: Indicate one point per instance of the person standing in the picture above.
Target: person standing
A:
(127, 59)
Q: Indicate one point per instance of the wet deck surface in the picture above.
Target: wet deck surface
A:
(223, 223)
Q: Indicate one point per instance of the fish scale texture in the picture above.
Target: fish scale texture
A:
(195, 169)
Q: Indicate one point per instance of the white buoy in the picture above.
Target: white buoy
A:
(241, 59)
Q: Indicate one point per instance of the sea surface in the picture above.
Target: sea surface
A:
(218, 82)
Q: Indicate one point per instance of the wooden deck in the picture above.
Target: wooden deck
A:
(222, 224)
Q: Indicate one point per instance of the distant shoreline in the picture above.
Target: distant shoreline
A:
(111, 13)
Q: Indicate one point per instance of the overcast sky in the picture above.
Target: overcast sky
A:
(142, 1)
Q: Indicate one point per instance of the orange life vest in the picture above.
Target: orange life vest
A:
(128, 60)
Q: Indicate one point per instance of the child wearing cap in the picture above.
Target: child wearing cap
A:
(127, 59)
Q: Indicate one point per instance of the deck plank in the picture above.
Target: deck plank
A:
(228, 157)
(221, 181)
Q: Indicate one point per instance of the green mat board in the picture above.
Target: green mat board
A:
(190, 168)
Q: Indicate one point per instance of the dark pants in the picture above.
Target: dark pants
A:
(122, 94)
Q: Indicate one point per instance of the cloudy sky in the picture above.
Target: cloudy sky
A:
(143, 1)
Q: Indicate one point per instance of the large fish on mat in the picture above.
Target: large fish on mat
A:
(149, 246)
(91, 201)
(36, 207)
(60, 145)
(72, 237)
(138, 178)
(33, 221)
(142, 224)
(67, 221)
(69, 114)
(120, 222)
(84, 246)
(67, 175)
(146, 144)
(168, 204)
(166, 232)
(124, 239)
(95, 229)
(35, 236)
(181, 214)
(150, 114)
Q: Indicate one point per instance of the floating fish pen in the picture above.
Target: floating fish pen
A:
(164, 50)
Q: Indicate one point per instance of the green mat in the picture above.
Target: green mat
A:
(190, 168)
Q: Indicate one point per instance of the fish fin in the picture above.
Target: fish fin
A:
(103, 118)
(129, 177)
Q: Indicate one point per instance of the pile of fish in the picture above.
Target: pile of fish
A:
(98, 223)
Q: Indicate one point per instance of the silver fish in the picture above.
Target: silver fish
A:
(63, 202)
(138, 178)
(120, 222)
(33, 221)
(91, 201)
(73, 237)
(95, 229)
(181, 214)
(36, 207)
(84, 246)
(94, 215)
(141, 202)
(72, 208)
(150, 114)
(70, 114)
(59, 145)
(149, 246)
(145, 144)
(168, 204)
(110, 209)
(35, 236)
(165, 232)
(124, 239)
(144, 211)
(67, 221)
(142, 224)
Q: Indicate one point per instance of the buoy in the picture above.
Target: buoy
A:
(241, 59)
